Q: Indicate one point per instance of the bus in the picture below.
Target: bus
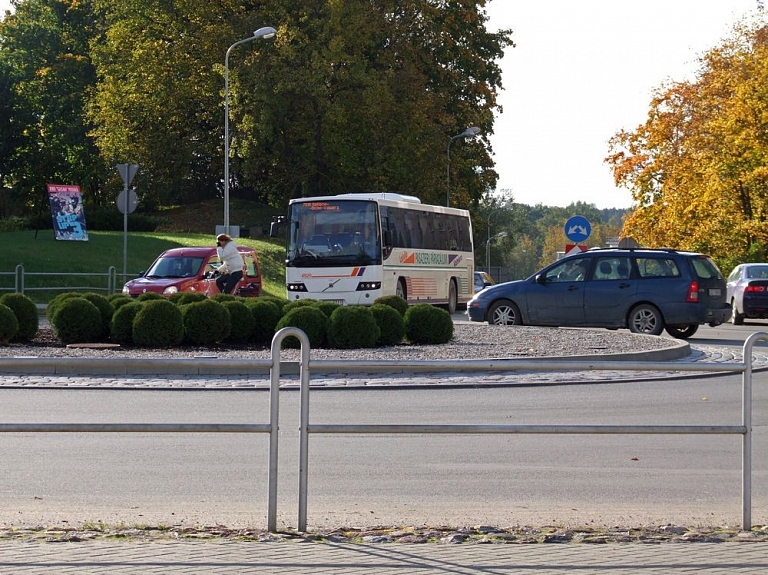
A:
(354, 248)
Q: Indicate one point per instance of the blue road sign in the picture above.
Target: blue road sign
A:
(578, 229)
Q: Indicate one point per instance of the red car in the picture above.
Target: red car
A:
(194, 270)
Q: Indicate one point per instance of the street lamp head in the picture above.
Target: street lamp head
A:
(267, 32)
(469, 132)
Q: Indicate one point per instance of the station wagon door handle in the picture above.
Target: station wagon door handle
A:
(624, 285)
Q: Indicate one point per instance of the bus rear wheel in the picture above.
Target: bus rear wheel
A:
(453, 298)
(400, 290)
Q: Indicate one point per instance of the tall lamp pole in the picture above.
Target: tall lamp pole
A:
(488, 243)
(468, 133)
(488, 249)
(265, 32)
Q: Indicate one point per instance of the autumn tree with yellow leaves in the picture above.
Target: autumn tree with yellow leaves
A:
(698, 167)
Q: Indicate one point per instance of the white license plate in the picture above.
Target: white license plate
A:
(714, 292)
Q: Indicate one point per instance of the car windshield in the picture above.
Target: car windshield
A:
(175, 267)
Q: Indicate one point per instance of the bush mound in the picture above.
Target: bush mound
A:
(394, 301)
(121, 329)
(427, 324)
(280, 302)
(299, 303)
(25, 311)
(352, 327)
(105, 309)
(220, 297)
(76, 320)
(9, 325)
(266, 314)
(327, 307)
(307, 318)
(391, 324)
(185, 297)
(54, 304)
(158, 324)
(205, 322)
(241, 321)
(150, 295)
(118, 299)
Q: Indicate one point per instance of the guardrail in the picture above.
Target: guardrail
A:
(19, 280)
(273, 366)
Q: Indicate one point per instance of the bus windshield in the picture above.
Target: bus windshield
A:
(332, 233)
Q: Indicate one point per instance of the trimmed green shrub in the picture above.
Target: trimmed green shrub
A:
(310, 320)
(76, 320)
(50, 309)
(9, 325)
(265, 314)
(299, 303)
(105, 309)
(280, 302)
(121, 329)
(241, 320)
(158, 324)
(149, 295)
(220, 297)
(327, 307)
(205, 322)
(352, 327)
(391, 324)
(185, 297)
(26, 314)
(394, 301)
(118, 299)
(428, 324)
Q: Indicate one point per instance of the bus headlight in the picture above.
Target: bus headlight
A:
(368, 286)
(299, 286)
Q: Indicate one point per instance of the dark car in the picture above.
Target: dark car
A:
(193, 269)
(645, 290)
(747, 290)
(482, 281)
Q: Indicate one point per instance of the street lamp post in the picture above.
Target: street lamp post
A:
(265, 32)
(488, 229)
(468, 133)
(488, 249)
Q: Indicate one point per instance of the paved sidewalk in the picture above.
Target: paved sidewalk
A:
(293, 557)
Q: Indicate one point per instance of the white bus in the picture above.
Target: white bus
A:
(354, 248)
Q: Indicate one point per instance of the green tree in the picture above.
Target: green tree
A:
(44, 53)
(697, 166)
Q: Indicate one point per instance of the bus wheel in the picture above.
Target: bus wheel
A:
(452, 297)
(400, 291)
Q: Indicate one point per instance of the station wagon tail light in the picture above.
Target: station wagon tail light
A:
(693, 292)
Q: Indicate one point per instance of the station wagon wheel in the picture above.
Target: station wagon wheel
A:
(736, 317)
(645, 318)
(682, 332)
(504, 312)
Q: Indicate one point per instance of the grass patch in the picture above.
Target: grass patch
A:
(51, 263)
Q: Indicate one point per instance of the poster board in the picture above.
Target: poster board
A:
(67, 212)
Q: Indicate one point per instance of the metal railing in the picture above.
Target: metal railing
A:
(19, 280)
(273, 365)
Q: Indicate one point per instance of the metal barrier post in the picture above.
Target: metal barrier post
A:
(274, 420)
(19, 274)
(746, 440)
(111, 280)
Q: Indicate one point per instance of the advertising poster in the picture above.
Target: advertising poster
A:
(67, 212)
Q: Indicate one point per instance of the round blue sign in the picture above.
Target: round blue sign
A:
(577, 229)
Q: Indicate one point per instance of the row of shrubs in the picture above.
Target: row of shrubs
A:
(152, 320)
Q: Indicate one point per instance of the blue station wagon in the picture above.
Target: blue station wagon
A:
(645, 290)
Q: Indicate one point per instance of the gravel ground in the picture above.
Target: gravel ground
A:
(470, 341)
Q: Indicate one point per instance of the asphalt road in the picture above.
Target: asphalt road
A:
(390, 480)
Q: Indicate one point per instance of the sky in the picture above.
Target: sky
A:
(583, 71)
(580, 72)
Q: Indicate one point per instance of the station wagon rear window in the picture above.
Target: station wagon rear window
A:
(657, 268)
